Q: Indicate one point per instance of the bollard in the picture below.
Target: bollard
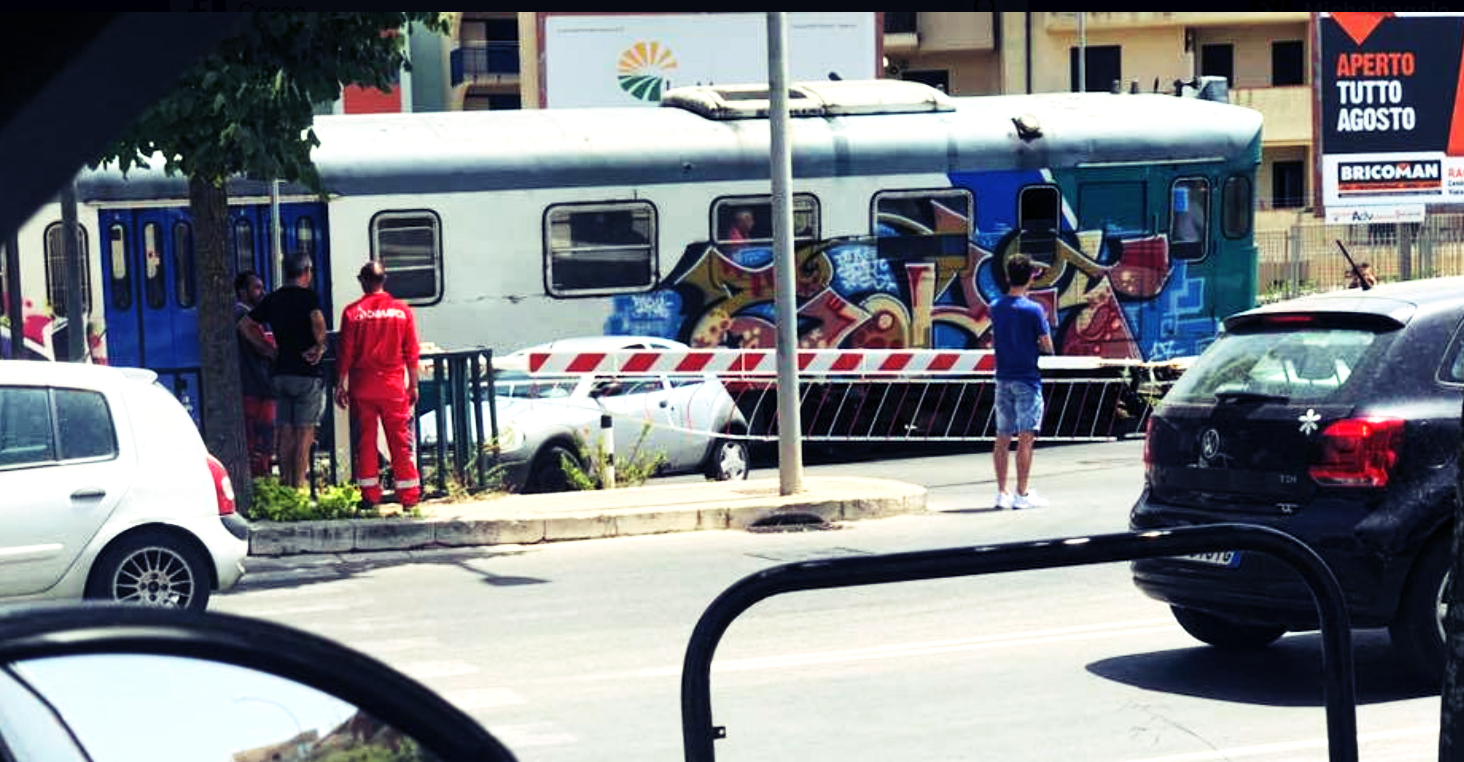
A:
(607, 444)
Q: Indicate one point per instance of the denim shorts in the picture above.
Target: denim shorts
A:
(299, 400)
(1018, 407)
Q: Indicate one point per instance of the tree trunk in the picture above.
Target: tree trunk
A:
(1451, 721)
(222, 393)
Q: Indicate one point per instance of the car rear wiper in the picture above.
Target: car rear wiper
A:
(1242, 396)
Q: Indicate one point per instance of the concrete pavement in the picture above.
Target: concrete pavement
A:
(528, 519)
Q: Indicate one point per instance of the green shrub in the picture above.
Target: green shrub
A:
(274, 501)
(628, 473)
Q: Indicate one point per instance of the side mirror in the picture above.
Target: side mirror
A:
(96, 682)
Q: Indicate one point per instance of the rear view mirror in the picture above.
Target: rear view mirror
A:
(99, 682)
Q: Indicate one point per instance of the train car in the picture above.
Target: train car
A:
(508, 229)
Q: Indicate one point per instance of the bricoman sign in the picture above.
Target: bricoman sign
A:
(1390, 131)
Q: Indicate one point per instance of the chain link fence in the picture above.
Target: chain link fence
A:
(1306, 259)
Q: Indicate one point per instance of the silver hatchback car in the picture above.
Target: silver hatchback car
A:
(109, 491)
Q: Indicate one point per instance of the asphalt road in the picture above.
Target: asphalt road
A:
(573, 651)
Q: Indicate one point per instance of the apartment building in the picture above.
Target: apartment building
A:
(493, 60)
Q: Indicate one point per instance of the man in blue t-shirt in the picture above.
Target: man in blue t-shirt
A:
(1021, 334)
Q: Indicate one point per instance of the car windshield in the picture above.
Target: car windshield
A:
(519, 384)
(1300, 366)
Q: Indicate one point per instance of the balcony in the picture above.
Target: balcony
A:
(1287, 112)
(485, 63)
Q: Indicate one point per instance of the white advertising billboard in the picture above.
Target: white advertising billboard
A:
(629, 59)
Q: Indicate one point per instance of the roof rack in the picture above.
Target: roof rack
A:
(832, 98)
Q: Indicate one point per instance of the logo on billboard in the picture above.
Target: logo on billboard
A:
(644, 70)
(1412, 177)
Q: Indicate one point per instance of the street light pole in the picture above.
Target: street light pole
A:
(301, 747)
(790, 451)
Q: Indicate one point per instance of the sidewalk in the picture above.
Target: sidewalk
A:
(528, 519)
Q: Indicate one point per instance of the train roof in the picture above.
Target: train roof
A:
(878, 131)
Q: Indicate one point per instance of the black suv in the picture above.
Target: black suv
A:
(1334, 418)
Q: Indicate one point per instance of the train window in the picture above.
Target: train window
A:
(1236, 209)
(925, 212)
(1039, 220)
(185, 286)
(409, 246)
(241, 243)
(1189, 219)
(121, 273)
(154, 287)
(600, 248)
(57, 270)
(305, 235)
(740, 222)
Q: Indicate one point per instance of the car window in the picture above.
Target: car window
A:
(85, 425)
(25, 426)
(1302, 366)
(1453, 368)
(619, 387)
(516, 383)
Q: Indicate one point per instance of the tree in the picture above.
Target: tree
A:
(246, 109)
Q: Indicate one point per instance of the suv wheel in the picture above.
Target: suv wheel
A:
(153, 569)
(1224, 633)
(1418, 632)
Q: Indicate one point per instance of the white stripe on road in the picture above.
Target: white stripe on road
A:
(1288, 746)
(469, 699)
(423, 670)
(903, 650)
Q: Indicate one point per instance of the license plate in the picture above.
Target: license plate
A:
(1217, 558)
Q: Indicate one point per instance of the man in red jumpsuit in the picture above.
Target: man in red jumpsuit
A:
(377, 377)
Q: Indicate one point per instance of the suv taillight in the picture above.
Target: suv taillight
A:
(223, 487)
(1358, 452)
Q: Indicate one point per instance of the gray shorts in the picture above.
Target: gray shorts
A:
(299, 400)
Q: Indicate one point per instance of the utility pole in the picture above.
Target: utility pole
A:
(1082, 52)
(790, 429)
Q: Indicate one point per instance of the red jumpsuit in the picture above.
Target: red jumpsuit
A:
(378, 347)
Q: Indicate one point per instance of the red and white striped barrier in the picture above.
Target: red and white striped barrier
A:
(814, 362)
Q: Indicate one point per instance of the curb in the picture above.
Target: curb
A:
(532, 519)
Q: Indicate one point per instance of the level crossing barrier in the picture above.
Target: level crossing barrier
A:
(913, 395)
(1338, 688)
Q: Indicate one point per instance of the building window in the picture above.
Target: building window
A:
(747, 221)
(939, 79)
(1218, 61)
(1104, 67)
(492, 102)
(1288, 189)
(1238, 207)
(1288, 63)
(900, 22)
(1189, 218)
(57, 270)
(409, 246)
(594, 249)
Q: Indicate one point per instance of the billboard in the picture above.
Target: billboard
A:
(629, 59)
(1391, 124)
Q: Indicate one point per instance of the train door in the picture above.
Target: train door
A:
(151, 291)
(1123, 308)
(151, 284)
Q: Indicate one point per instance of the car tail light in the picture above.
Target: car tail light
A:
(223, 487)
(1358, 452)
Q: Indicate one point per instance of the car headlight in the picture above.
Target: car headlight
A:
(510, 439)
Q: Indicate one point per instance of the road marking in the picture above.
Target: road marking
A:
(535, 734)
(903, 650)
(1288, 746)
(391, 645)
(482, 698)
(423, 670)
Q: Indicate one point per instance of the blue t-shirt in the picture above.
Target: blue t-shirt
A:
(1017, 323)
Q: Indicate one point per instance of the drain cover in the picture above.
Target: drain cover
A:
(790, 522)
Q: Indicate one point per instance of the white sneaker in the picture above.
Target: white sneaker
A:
(1004, 501)
(1029, 500)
